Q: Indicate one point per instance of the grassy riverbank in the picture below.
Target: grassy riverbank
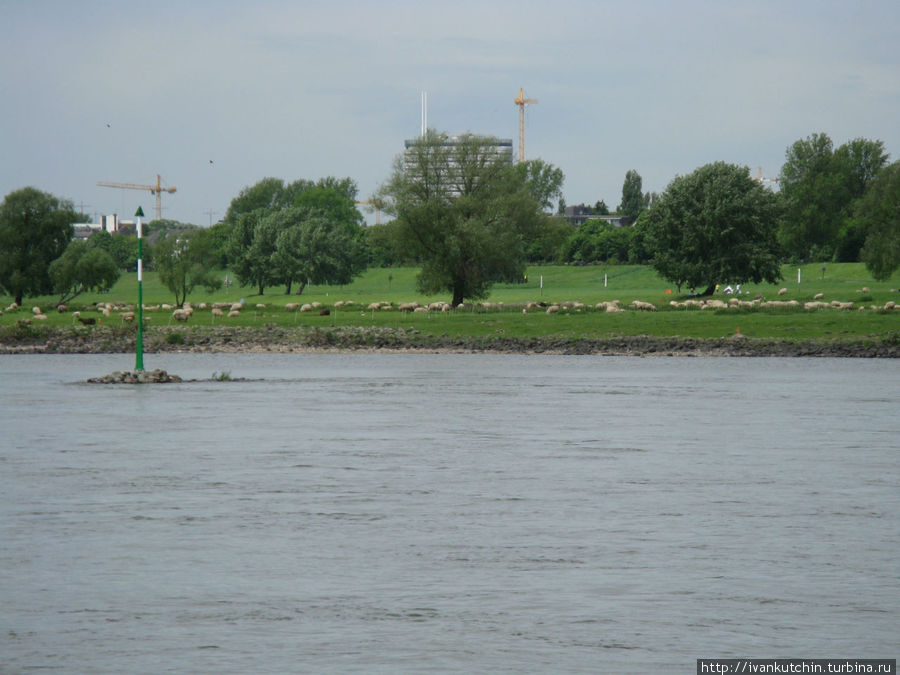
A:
(512, 322)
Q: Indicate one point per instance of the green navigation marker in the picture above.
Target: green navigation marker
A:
(139, 355)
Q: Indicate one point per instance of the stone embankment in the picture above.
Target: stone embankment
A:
(275, 339)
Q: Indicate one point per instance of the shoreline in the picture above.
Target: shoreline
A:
(104, 340)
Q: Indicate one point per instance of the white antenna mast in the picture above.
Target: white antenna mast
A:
(424, 113)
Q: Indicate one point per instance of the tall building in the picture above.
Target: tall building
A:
(452, 151)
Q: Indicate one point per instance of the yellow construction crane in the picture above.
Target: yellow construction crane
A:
(522, 102)
(760, 179)
(376, 204)
(157, 190)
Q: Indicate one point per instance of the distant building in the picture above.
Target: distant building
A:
(110, 224)
(580, 214)
(502, 148)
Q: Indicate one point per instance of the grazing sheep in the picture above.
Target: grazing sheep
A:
(818, 296)
(306, 308)
(36, 311)
(260, 305)
(217, 312)
(62, 309)
(234, 313)
(553, 309)
(127, 317)
(324, 312)
(408, 306)
(374, 305)
(643, 306)
(166, 306)
(864, 289)
(890, 304)
(87, 321)
(420, 310)
(291, 307)
(317, 304)
(235, 306)
(782, 291)
(40, 317)
(181, 315)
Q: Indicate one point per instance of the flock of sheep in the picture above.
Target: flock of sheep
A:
(233, 309)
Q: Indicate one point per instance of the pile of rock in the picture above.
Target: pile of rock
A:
(135, 377)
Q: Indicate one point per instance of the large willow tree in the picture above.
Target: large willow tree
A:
(464, 212)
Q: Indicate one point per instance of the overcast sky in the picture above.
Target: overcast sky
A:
(215, 95)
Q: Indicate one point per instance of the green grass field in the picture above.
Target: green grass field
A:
(547, 284)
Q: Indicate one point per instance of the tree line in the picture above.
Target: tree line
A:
(468, 219)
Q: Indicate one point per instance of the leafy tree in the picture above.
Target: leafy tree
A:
(714, 225)
(124, 251)
(598, 241)
(250, 249)
(464, 212)
(82, 268)
(218, 239)
(879, 213)
(544, 181)
(818, 185)
(35, 229)
(383, 246)
(184, 261)
(311, 248)
(547, 244)
(601, 209)
(253, 248)
(632, 196)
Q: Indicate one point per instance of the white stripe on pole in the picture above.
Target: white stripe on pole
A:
(140, 270)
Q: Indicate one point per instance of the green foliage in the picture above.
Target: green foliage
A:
(184, 261)
(818, 186)
(300, 232)
(598, 241)
(546, 246)
(35, 229)
(464, 212)
(714, 225)
(82, 268)
(383, 247)
(544, 181)
(879, 213)
(633, 201)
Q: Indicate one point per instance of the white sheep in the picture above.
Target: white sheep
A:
(234, 313)
(782, 291)
(553, 309)
(216, 311)
(181, 315)
(306, 308)
(643, 306)
(818, 296)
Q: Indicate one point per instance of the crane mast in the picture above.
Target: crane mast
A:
(157, 190)
(521, 101)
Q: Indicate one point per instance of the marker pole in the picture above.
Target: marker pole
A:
(139, 356)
